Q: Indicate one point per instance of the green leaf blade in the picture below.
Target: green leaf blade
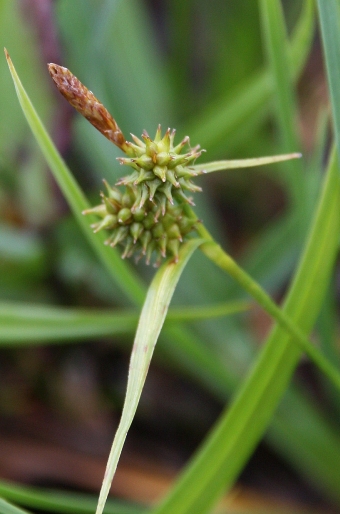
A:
(329, 15)
(210, 167)
(120, 271)
(150, 324)
(217, 464)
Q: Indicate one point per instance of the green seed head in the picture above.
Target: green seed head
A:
(140, 226)
(160, 167)
(149, 216)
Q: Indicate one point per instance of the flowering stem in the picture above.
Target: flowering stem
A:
(223, 260)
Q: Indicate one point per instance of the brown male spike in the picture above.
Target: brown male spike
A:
(157, 164)
(87, 104)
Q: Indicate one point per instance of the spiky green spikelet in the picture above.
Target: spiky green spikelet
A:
(146, 216)
(160, 169)
(141, 231)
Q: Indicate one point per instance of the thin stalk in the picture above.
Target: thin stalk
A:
(224, 261)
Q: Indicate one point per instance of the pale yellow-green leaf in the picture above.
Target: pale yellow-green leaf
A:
(150, 324)
(209, 167)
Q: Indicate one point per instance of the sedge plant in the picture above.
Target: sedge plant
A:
(149, 214)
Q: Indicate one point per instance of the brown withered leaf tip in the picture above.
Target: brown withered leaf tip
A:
(87, 104)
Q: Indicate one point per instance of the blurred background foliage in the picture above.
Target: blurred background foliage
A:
(199, 67)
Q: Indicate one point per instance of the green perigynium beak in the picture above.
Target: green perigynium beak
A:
(141, 226)
(160, 166)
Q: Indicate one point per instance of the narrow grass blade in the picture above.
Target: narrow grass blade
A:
(150, 324)
(120, 271)
(329, 14)
(22, 324)
(293, 422)
(223, 454)
(275, 44)
(214, 251)
(224, 121)
(209, 167)
(8, 508)
(62, 502)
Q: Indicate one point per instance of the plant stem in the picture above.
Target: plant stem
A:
(224, 261)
